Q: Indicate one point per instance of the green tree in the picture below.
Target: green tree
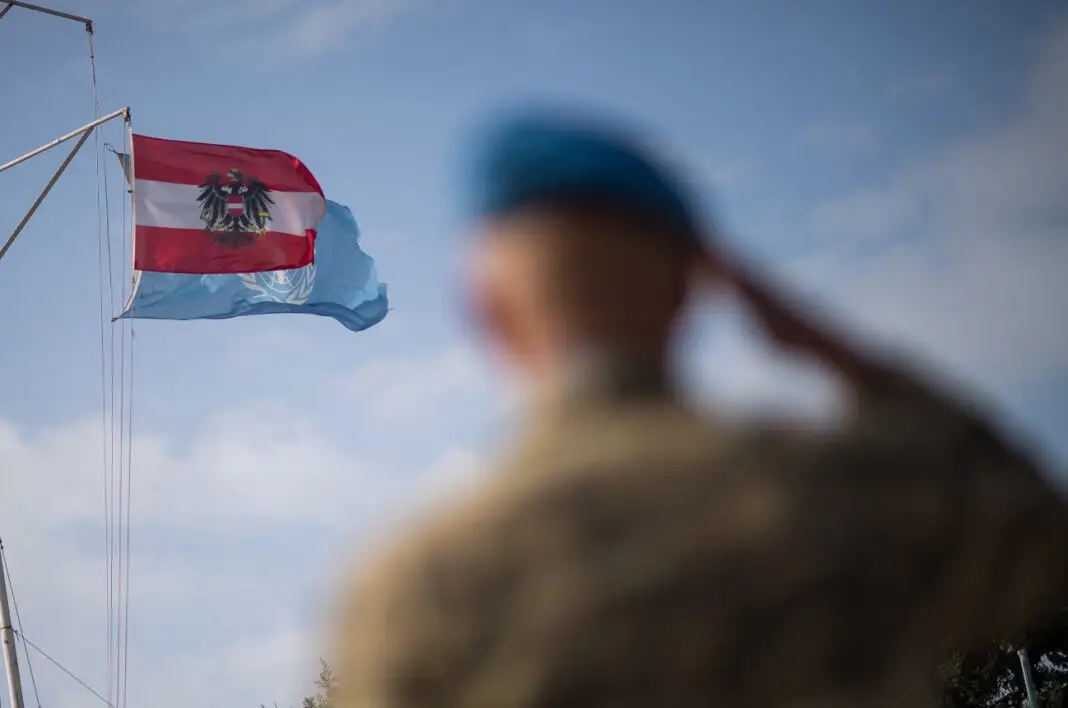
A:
(326, 686)
(991, 675)
(985, 677)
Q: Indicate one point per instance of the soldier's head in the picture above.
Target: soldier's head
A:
(583, 241)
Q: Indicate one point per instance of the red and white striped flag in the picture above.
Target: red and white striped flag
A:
(209, 209)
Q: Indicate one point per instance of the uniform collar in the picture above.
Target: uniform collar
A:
(598, 374)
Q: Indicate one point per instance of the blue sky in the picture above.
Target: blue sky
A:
(903, 165)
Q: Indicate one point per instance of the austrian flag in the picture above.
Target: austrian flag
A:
(212, 209)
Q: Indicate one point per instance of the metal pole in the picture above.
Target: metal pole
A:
(47, 189)
(131, 179)
(48, 11)
(7, 8)
(65, 138)
(7, 633)
(1029, 682)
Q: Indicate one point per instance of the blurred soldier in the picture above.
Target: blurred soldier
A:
(631, 553)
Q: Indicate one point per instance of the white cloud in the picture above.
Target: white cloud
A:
(302, 28)
(549, 36)
(733, 371)
(959, 257)
(326, 25)
(726, 173)
(841, 135)
(59, 573)
(975, 275)
(708, 169)
(427, 385)
(255, 464)
(271, 665)
(931, 84)
(225, 608)
(884, 213)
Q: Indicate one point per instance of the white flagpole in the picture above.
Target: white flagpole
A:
(85, 131)
(44, 193)
(7, 634)
(131, 174)
(65, 138)
(48, 11)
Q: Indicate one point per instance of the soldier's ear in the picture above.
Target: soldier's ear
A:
(709, 270)
(479, 307)
(482, 301)
(491, 296)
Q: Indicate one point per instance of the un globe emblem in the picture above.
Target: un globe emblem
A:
(292, 287)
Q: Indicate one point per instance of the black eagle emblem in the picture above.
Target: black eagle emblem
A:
(235, 209)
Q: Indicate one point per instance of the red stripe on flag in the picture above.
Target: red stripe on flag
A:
(184, 162)
(194, 251)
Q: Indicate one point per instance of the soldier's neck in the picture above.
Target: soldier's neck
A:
(593, 370)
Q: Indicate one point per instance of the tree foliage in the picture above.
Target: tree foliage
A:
(984, 677)
(326, 686)
(991, 675)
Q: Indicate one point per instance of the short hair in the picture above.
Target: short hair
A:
(623, 219)
(612, 260)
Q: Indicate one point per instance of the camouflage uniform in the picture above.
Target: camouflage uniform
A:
(631, 553)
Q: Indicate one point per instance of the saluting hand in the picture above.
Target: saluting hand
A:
(785, 324)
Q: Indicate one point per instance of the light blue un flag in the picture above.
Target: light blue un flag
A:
(342, 283)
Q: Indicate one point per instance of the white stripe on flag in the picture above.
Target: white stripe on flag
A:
(175, 206)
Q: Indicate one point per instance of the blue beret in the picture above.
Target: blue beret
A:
(522, 160)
